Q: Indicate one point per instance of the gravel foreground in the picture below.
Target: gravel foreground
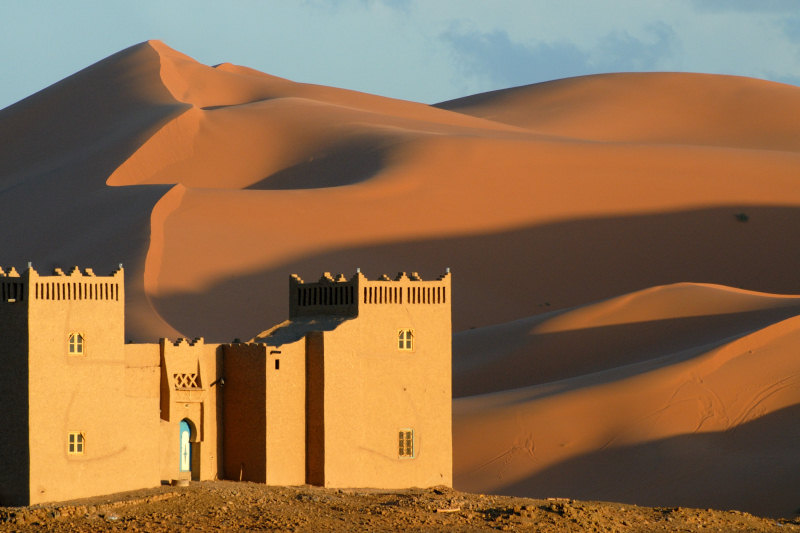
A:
(233, 506)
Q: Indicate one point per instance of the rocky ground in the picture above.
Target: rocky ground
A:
(228, 506)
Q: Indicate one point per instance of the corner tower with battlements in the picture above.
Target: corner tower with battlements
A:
(378, 385)
(74, 426)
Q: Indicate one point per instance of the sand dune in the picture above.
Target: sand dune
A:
(668, 108)
(408, 175)
(706, 425)
(620, 331)
(677, 191)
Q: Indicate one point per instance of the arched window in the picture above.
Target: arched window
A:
(405, 340)
(75, 344)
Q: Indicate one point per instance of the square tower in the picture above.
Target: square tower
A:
(78, 429)
(379, 383)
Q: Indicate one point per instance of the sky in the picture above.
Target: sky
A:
(422, 50)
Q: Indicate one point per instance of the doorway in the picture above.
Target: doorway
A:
(185, 451)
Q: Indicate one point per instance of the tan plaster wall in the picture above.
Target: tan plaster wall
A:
(286, 423)
(244, 401)
(142, 371)
(372, 390)
(200, 405)
(14, 458)
(87, 393)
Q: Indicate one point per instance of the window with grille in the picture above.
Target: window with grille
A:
(76, 442)
(75, 344)
(405, 340)
(406, 443)
(186, 381)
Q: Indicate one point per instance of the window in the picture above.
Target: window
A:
(76, 443)
(405, 340)
(186, 381)
(75, 344)
(406, 443)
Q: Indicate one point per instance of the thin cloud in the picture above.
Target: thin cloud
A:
(503, 62)
(791, 28)
(620, 51)
(749, 6)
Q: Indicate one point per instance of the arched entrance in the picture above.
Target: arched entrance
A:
(185, 451)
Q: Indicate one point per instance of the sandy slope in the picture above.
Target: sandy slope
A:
(619, 331)
(213, 183)
(58, 148)
(708, 424)
(664, 108)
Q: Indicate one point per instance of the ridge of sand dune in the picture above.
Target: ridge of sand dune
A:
(619, 331)
(227, 85)
(116, 100)
(550, 439)
(678, 300)
(245, 126)
(672, 108)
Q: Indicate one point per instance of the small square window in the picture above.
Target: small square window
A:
(405, 340)
(406, 443)
(76, 443)
(75, 344)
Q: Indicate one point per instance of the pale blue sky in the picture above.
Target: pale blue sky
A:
(422, 50)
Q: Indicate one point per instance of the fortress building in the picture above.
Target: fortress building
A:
(353, 390)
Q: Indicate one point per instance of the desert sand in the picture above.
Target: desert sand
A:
(624, 249)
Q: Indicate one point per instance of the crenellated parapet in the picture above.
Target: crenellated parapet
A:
(406, 289)
(331, 295)
(60, 286)
(13, 288)
(337, 295)
(183, 341)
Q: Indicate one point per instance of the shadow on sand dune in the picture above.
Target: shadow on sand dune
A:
(349, 162)
(752, 467)
(501, 277)
(553, 356)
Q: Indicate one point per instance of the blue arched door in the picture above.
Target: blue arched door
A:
(186, 447)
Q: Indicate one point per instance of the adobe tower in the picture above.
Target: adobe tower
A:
(67, 390)
(379, 383)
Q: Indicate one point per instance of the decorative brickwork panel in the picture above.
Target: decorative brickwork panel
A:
(186, 381)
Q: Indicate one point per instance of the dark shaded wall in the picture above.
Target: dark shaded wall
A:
(244, 411)
(315, 409)
(14, 448)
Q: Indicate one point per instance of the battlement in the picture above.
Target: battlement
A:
(77, 285)
(336, 295)
(183, 341)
